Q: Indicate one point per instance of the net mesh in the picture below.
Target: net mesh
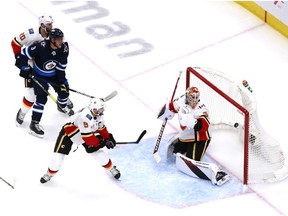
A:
(265, 159)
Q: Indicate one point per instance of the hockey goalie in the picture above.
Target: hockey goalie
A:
(192, 141)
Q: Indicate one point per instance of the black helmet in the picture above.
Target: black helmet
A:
(56, 33)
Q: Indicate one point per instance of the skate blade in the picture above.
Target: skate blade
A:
(35, 134)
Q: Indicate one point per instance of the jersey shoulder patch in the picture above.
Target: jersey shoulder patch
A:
(89, 116)
(31, 31)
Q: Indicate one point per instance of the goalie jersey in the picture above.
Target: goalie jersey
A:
(194, 123)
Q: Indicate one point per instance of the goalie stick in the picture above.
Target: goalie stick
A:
(155, 152)
(134, 142)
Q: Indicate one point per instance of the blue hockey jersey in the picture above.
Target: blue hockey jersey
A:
(47, 62)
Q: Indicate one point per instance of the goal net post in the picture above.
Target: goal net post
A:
(233, 107)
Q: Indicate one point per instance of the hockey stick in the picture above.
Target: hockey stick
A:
(156, 148)
(108, 97)
(47, 92)
(7, 182)
(134, 142)
(42, 87)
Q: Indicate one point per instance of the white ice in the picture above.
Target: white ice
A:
(216, 34)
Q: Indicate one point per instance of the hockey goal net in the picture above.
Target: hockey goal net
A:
(233, 108)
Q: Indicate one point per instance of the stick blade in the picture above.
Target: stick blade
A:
(141, 136)
(110, 96)
(157, 157)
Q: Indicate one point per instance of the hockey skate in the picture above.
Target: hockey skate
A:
(115, 172)
(36, 129)
(20, 117)
(221, 177)
(45, 178)
(65, 110)
(70, 104)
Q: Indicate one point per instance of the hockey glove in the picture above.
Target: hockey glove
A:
(110, 144)
(26, 72)
(17, 60)
(64, 87)
(165, 113)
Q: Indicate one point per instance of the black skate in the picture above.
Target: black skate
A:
(115, 172)
(36, 129)
(222, 177)
(20, 117)
(65, 110)
(45, 178)
(70, 105)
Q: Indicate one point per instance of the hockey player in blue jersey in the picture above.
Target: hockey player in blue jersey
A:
(49, 58)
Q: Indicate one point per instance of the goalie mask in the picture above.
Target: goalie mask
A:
(192, 96)
(96, 106)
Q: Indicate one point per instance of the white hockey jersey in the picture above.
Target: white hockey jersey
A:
(82, 127)
(187, 117)
(26, 38)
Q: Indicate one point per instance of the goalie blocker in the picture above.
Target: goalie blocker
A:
(202, 170)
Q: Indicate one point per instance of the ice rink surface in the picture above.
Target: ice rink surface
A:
(168, 37)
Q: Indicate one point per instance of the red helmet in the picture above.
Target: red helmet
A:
(192, 94)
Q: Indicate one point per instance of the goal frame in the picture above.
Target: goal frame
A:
(246, 113)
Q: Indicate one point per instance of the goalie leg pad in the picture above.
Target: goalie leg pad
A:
(188, 166)
(202, 170)
(170, 147)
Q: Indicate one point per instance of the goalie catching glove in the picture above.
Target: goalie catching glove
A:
(165, 112)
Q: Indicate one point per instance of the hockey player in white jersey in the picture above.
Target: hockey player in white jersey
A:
(26, 38)
(87, 128)
(192, 141)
